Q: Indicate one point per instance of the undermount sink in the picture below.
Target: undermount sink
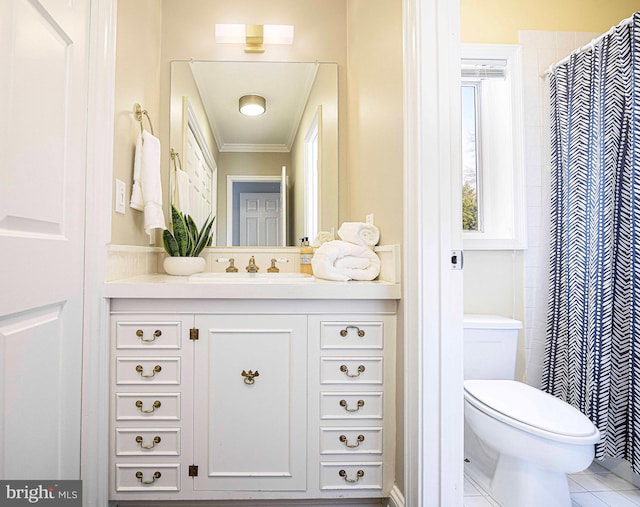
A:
(250, 277)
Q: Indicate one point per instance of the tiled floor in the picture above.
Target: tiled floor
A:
(595, 487)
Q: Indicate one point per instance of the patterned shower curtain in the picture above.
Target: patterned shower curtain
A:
(592, 354)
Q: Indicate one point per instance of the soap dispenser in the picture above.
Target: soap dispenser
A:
(306, 253)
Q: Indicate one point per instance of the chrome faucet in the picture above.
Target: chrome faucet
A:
(252, 268)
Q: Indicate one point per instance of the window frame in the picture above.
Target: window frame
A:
(482, 240)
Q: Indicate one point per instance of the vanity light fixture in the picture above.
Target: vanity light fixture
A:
(254, 36)
(252, 105)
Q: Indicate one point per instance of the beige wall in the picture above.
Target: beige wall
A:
(373, 182)
(137, 80)
(498, 21)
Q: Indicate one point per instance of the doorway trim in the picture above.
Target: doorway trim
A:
(239, 178)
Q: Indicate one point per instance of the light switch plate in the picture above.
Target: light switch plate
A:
(369, 219)
(121, 190)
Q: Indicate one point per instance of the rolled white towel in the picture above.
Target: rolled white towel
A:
(359, 233)
(343, 261)
(321, 238)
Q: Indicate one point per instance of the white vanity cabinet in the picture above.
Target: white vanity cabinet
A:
(252, 399)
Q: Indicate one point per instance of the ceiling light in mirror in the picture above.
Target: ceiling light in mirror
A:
(252, 105)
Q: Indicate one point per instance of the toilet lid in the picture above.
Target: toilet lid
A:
(529, 406)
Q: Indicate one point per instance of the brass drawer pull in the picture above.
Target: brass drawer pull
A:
(156, 440)
(156, 369)
(156, 334)
(345, 331)
(140, 477)
(343, 403)
(344, 369)
(344, 440)
(249, 376)
(343, 474)
(156, 404)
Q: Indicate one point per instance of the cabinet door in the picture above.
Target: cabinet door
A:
(250, 411)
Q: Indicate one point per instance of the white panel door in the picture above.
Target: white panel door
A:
(43, 106)
(260, 219)
(200, 181)
(250, 404)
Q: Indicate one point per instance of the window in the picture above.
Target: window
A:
(492, 166)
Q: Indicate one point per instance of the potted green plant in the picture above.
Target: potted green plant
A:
(185, 243)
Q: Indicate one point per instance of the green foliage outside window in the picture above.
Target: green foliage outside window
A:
(469, 208)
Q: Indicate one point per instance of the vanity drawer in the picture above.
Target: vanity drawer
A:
(158, 477)
(147, 406)
(351, 440)
(351, 405)
(352, 335)
(148, 335)
(148, 370)
(148, 441)
(351, 475)
(351, 370)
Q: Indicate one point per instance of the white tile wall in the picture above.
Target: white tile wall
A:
(540, 49)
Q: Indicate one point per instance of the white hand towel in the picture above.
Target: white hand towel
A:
(146, 194)
(136, 201)
(181, 196)
(343, 261)
(359, 233)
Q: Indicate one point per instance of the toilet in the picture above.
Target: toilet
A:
(520, 442)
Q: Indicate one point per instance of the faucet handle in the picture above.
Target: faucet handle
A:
(232, 268)
(273, 268)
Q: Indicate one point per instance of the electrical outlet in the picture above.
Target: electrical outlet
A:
(121, 190)
(369, 219)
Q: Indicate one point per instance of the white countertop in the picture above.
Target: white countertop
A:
(161, 286)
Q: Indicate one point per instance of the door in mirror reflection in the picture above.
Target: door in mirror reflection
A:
(260, 219)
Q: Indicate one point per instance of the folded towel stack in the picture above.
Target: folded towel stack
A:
(321, 238)
(146, 194)
(359, 233)
(351, 258)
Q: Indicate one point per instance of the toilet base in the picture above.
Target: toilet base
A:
(518, 483)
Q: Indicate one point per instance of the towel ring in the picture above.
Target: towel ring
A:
(176, 156)
(139, 113)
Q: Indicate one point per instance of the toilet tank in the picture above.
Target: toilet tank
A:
(490, 346)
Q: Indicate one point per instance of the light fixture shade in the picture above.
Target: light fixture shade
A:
(254, 36)
(252, 105)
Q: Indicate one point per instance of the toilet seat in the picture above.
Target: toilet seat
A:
(531, 410)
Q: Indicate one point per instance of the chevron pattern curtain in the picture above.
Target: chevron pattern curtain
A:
(592, 355)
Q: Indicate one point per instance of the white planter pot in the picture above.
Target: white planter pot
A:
(183, 266)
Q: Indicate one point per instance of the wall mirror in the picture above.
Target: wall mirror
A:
(270, 178)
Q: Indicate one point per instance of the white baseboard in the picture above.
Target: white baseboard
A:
(396, 498)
